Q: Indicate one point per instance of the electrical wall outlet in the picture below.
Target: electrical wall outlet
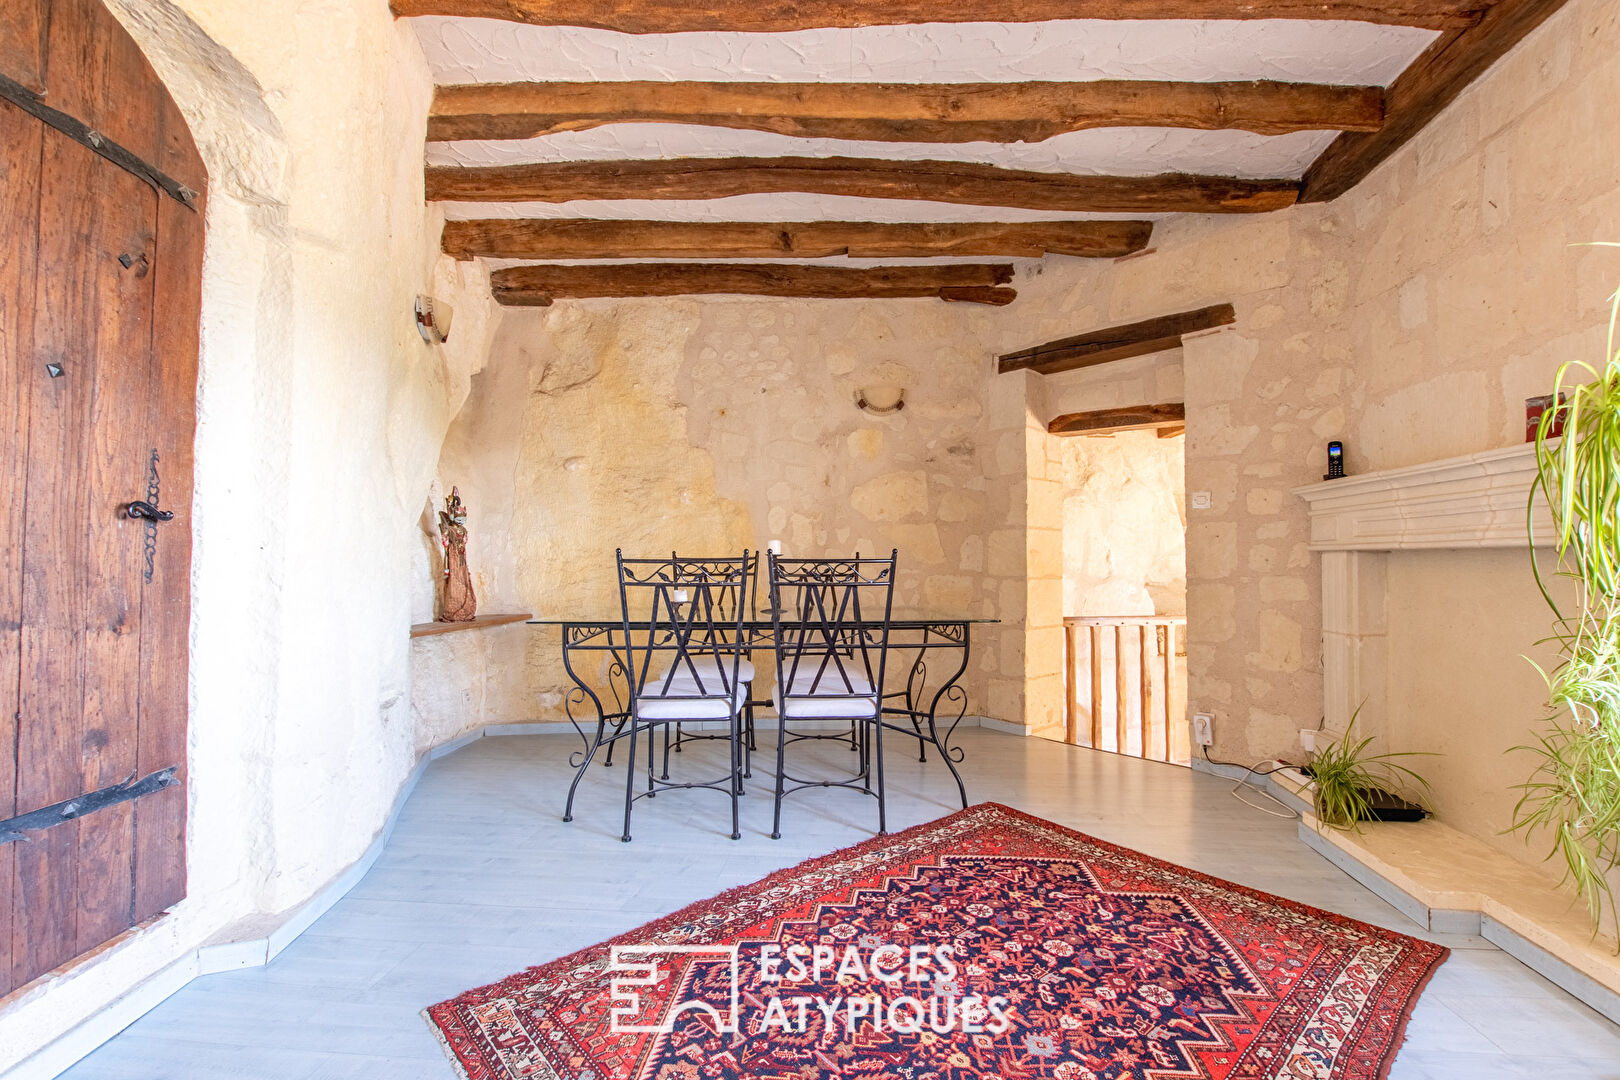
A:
(1203, 728)
(1307, 739)
(1200, 500)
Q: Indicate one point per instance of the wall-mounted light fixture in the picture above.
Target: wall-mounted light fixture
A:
(433, 320)
(881, 400)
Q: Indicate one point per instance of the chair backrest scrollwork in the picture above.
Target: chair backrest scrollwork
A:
(683, 625)
(831, 624)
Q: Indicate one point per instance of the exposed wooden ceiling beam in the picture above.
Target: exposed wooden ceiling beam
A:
(1116, 342)
(1432, 81)
(937, 181)
(1113, 421)
(547, 238)
(538, 286)
(902, 112)
(776, 16)
(1173, 431)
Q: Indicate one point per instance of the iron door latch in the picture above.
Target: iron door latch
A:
(140, 508)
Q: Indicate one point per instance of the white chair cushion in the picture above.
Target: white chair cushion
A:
(832, 698)
(678, 704)
(708, 666)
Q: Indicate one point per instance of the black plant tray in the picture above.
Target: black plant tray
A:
(1386, 807)
(1383, 806)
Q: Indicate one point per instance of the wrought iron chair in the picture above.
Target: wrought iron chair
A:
(683, 646)
(746, 674)
(831, 634)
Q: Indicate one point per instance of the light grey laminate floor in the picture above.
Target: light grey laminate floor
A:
(481, 879)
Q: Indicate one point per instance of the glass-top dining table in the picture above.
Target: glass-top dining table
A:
(593, 655)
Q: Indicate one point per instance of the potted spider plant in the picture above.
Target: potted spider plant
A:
(1353, 785)
(1574, 792)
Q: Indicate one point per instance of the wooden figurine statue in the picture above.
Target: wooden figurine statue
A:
(458, 603)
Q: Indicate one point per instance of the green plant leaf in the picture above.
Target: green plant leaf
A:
(1574, 790)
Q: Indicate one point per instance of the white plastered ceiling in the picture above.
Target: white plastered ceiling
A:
(484, 50)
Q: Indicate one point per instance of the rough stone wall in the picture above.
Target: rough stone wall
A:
(718, 424)
(321, 413)
(1124, 542)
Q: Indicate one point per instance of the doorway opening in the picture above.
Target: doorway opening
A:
(1125, 592)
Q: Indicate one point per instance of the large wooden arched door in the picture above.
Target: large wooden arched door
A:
(100, 262)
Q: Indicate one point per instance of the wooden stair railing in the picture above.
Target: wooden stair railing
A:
(1127, 685)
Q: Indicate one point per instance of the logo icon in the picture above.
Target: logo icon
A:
(642, 966)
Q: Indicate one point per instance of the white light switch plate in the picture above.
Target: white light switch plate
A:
(1200, 500)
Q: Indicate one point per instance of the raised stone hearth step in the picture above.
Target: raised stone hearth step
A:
(1455, 883)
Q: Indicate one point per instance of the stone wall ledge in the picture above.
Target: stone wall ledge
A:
(482, 622)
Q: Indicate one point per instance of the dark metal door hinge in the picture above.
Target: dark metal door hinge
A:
(12, 829)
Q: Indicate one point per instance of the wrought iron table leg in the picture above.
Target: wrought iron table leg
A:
(579, 695)
(916, 686)
(951, 692)
(630, 777)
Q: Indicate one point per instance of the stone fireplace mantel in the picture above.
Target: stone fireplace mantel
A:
(1478, 500)
(1475, 501)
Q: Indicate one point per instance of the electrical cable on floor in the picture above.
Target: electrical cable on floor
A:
(1243, 784)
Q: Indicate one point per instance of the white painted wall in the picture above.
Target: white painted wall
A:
(320, 415)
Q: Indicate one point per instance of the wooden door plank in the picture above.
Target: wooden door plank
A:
(160, 855)
(122, 343)
(49, 731)
(96, 74)
(23, 28)
(20, 146)
(79, 701)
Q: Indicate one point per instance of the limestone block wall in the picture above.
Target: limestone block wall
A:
(1023, 678)
(321, 413)
(712, 425)
(1410, 318)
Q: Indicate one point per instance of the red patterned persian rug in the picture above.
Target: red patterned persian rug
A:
(987, 945)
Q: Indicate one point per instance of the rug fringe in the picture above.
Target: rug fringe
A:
(444, 1044)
